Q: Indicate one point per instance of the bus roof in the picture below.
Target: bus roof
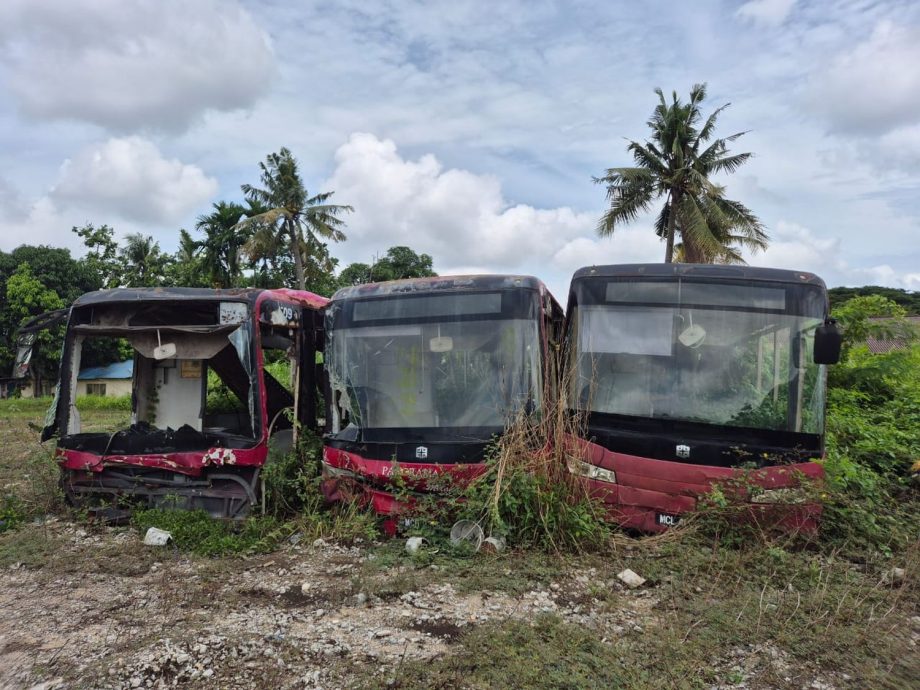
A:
(720, 271)
(438, 283)
(179, 294)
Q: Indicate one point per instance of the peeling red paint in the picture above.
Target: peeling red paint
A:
(368, 480)
(646, 487)
(190, 462)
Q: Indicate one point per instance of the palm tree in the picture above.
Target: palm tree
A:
(675, 166)
(185, 268)
(224, 241)
(731, 236)
(294, 220)
(144, 262)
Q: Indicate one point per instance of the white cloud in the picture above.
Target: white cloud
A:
(130, 64)
(131, 178)
(766, 12)
(40, 222)
(873, 87)
(796, 247)
(459, 217)
(900, 146)
(638, 244)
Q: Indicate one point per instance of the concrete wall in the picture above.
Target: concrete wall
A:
(28, 390)
(113, 387)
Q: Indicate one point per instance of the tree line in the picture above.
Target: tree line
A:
(279, 234)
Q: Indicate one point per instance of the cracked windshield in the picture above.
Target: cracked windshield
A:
(456, 363)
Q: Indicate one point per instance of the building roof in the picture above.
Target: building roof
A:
(118, 370)
(880, 346)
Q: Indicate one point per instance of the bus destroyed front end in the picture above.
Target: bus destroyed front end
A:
(203, 410)
(423, 376)
(694, 379)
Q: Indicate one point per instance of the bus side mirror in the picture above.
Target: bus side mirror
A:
(827, 343)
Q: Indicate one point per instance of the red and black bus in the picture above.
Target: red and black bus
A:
(205, 407)
(683, 374)
(425, 373)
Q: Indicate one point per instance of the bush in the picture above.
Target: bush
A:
(528, 495)
(198, 532)
(291, 480)
(873, 439)
(12, 512)
(121, 403)
(525, 495)
(291, 483)
(874, 411)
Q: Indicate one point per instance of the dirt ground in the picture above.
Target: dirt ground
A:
(86, 606)
(105, 611)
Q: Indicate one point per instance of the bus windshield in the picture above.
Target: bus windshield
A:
(448, 361)
(736, 354)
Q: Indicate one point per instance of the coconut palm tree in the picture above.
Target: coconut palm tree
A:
(293, 220)
(732, 236)
(186, 264)
(224, 241)
(675, 165)
(143, 261)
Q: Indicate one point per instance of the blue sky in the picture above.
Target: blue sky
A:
(469, 130)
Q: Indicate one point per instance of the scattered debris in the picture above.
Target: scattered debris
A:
(413, 544)
(157, 537)
(109, 515)
(630, 578)
(493, 545)
(466, 531)
(895, 576)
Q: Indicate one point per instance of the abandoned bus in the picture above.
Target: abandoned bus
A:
(205, 406)
(425, 373)
(681, 375)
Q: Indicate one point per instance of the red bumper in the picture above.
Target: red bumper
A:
(349, 476)
(192, 463)
(650, 495)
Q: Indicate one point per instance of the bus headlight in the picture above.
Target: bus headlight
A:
(584, 469)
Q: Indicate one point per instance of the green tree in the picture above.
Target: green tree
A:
(144, 264)
(185, 268)
(223, 241)
(676, 165)
(401, 262)
(56, 270)
(295, 221)
(398, 263)
(102, 255)
(871, 316)
(28, 297)
(356, 274)
(910, 300)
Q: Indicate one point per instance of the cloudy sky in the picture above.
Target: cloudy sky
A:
(469, 130)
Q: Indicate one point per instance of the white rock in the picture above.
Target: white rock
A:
(630, 578)
(894, 576)
(157, 537)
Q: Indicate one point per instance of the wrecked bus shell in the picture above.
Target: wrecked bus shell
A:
(425, 373)
(181, 449)
(690, 376)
